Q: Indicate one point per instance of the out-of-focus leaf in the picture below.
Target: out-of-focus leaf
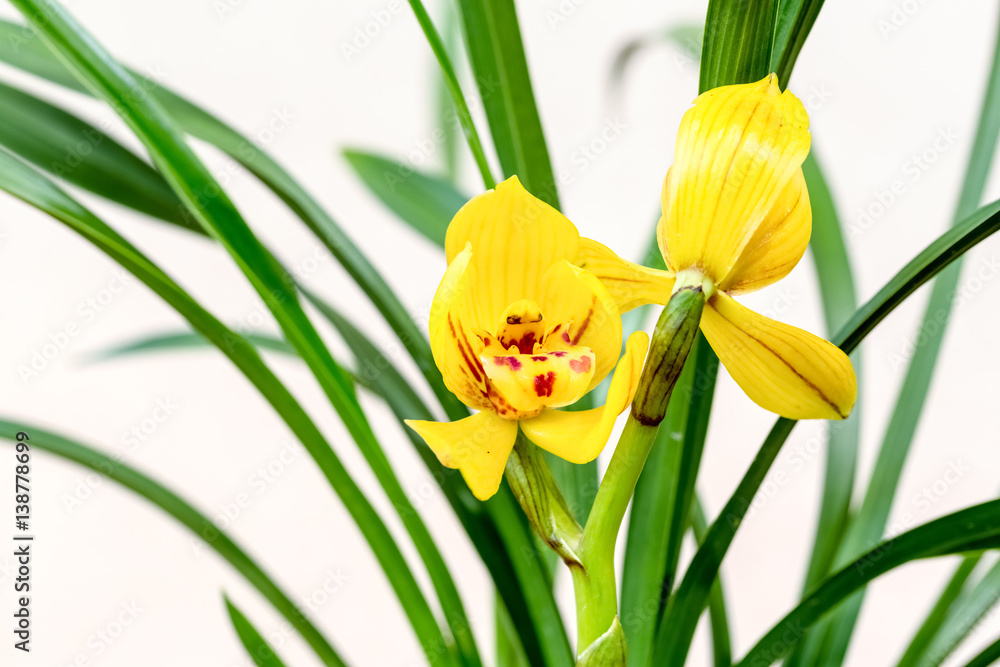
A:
(257, 647)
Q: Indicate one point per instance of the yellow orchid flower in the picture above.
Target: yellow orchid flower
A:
(518, 330)
(736, 218)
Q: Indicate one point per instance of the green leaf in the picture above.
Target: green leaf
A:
(426, 203)
(939, 612)
(186, 340)
(458, 98)
(30, 186)
(795, 21)
(257, 647)
(21, 48)
(722, 652)
(988, 657)
(963, 618)
(184, 513)
(493, 41)
(679, 621)
(739, 35)
(869, 523)
(964, 531)
(85, 156)
(836, 283)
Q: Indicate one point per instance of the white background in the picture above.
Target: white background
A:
(877, 99)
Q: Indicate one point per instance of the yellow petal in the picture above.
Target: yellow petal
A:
(525, 384)
(631, 285)
(777, 245)
(478, 446)
(579, 437)
(455, 346)
(780, 367)
(737, 149)
(515, 238)
(570, 294)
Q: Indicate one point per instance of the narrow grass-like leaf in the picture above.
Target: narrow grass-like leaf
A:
(21, 48)
(678, 624)
(795, 21)
(256, 646)
(988, 657)
(185, 514)
(964, 531)
(964, 617)
(458, 98)
(493, 41)
(836, 283)
(85, 156)
(186, 340)
(426, 203)
(739, 35)
(869, 523)
(30, 186)
(939, 612)
(722, 651)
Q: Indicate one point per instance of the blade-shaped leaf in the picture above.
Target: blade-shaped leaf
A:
(739, 35)
(256, 646)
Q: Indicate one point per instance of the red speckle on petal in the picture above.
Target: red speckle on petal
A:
(580, 365)
(565, 336)
(544, 383)
(513, 362)
(541, 358)
(558, 353)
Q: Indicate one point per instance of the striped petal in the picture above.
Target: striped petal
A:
(781, 368)
(737, 149)
(579, 437)
(515, 238)
(777, 245)
(478, 446)
(454, 343)
(631, 285)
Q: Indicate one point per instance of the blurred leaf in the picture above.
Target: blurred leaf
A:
(187, 340)
(425, 203)
(35, 189)
(869, 523)
(739, 35)
(687, 37)
(87, 157)
(21, 48)
(939, 612)
(257, 647)
(967, 530)
(795, 21)
(184, 513)
(988, 657)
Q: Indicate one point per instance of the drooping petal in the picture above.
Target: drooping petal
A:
(577, 297)
(454, 344)
(777, 245)
(515, 238)
(579, 437)
(525, 384)
(478, 446)
(737, 149)
(631, 285)
(781, 368)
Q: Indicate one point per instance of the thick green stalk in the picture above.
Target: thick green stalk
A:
(594, 583)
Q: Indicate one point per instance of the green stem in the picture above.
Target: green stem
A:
(594, 583)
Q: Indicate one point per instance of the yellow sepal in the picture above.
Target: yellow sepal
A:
(631, 285)
(781, 368)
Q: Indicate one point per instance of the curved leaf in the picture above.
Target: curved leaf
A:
(257, 647)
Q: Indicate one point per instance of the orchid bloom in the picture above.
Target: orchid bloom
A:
(736, 218)
(517, 330)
